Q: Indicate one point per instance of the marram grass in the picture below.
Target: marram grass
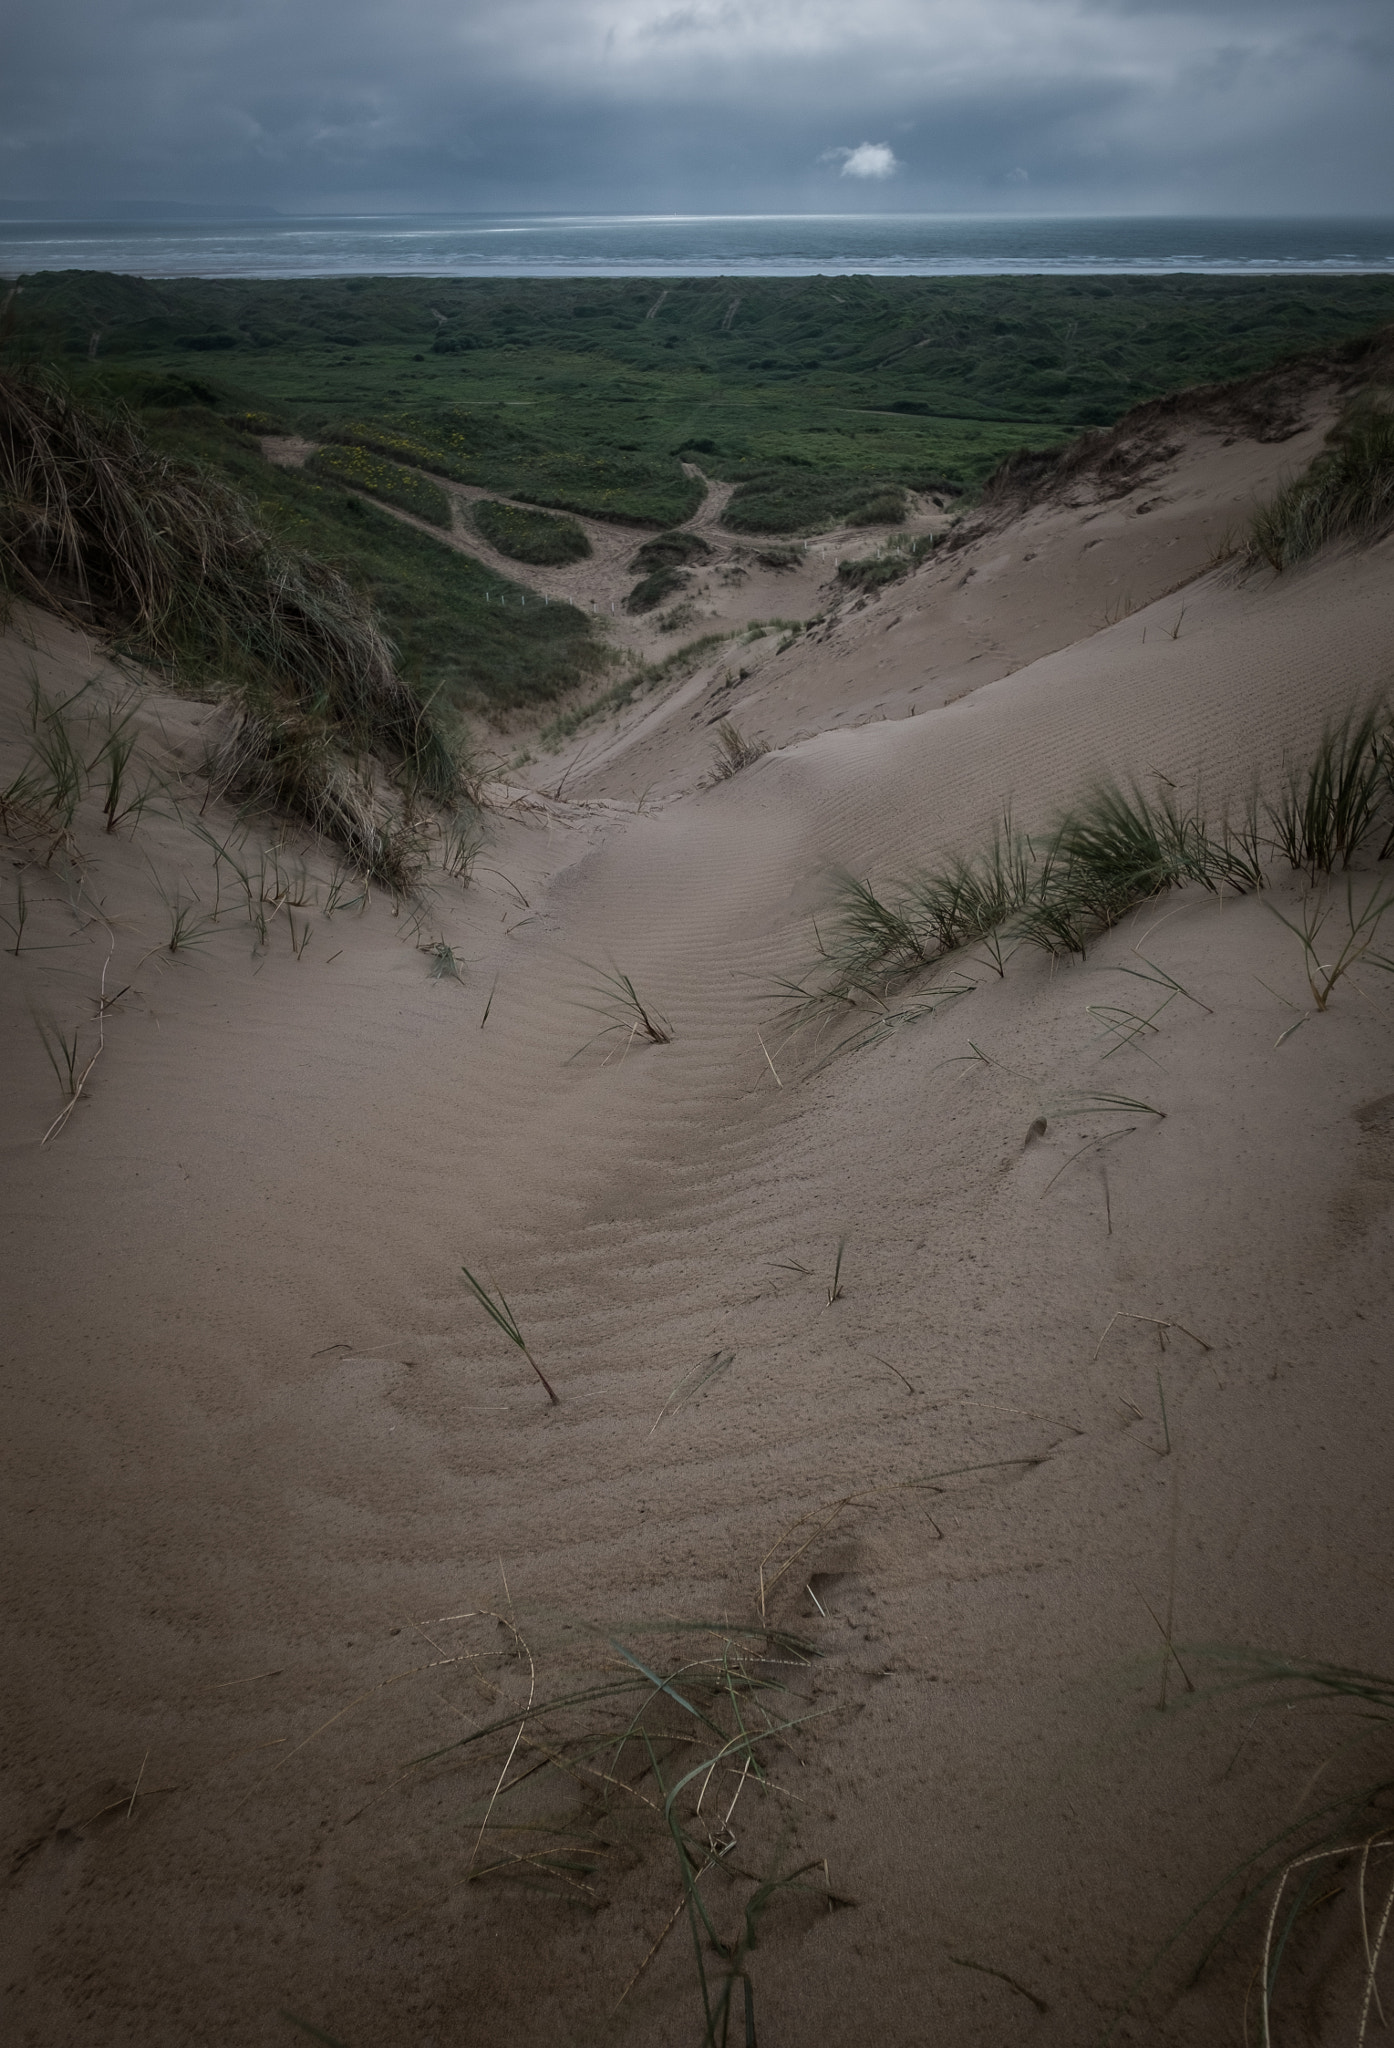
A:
(1115, 848)
(99, 527)
(1346, 493)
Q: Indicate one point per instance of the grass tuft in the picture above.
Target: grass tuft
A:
(1334, 1846)
(99, 527)
(899, 557)
(734, 751)
(1347, 493)
(1327, 811)
(1117, 847)
(1362, 929)
(673, 1744)
(625, 1010)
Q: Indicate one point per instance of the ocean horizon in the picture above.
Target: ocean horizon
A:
(694, 245)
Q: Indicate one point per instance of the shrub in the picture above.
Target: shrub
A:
(525, 536)
(363, 470)
(792, 499)
(887, 508)
(669, 551)
(654, 590)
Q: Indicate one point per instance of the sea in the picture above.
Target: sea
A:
(697, 245)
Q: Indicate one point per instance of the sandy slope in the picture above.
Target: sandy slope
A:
(262, 1440)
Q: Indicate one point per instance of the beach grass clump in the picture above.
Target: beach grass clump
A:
(734, 751)
(44, 795)
(1330, 808)
(1115, 848)
(1346, 493)
(103, 529)
(625, 1011)
(795, 499)
(362, 469)
(542, 538)
(900, 557)
(1336, 1851)
(648, 1743)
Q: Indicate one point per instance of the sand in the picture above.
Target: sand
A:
(262, 1440)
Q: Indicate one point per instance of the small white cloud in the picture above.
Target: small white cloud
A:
(867, 160)
(1018, 177)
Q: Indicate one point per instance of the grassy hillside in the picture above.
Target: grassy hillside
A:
(589, 395)
(486, 644)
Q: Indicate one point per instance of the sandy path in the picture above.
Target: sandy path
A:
(262, 1431)
(729, 592)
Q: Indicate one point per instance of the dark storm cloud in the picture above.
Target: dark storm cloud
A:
(645, 105)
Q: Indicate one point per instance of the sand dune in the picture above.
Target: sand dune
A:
(263, 1439)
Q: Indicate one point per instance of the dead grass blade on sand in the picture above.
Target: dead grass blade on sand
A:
(495, 1306)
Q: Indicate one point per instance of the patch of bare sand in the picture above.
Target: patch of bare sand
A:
(1074, 564)
(262, 1439)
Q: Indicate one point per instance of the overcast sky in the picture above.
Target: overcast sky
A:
(1210, 106)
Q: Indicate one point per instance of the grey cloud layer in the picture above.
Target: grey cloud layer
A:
(1262, 105)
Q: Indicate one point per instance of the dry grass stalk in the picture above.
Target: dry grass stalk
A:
(496, 1308)
(79, 1081)
(1159, 1323)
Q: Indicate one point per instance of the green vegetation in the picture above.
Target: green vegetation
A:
(1347, 492)
(99, 526)
(625, 1012)
(359, 469)
(690, 1720)
(663, 563)
(669, 551)
(530, 536)
(496, 1308)
(899, 557)
(655, 589)
(462, 635)
(590, 395)
(506, 455)
(785, 500)
(1114, 849)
